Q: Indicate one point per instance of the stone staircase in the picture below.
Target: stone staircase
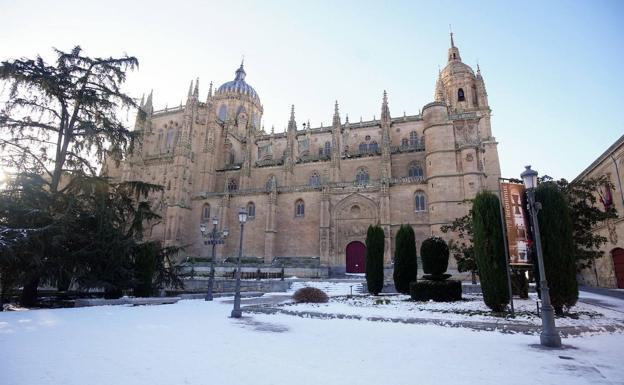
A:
(331, 287)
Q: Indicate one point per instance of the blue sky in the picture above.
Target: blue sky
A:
(552, 69)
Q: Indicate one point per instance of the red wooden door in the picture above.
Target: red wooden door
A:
(618, 265)
(356, 257)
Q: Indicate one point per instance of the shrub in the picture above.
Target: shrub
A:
(310, 295)
(519, 284)
(374, 259)
(434, 253)
(489, 250)
(439, 291)
(557, 246)
(405, 264)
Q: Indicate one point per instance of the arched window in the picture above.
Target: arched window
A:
(420, 202)
(223, 113)
(422, 141)
(460, 95)
(413, 140)
(232, 185)
(373, 147)
(232, 158)
(415, 170)
(299, 208)
(315, 179)
(327, 148)
(404, 143)
(205, 212)
(363, 148)
(361, 177)
(271, 181)
(170, 136)
(251, 210)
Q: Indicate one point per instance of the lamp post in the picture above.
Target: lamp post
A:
(236, 312)
(214, 238)
(549, 335)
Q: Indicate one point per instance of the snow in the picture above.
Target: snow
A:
(194, 342)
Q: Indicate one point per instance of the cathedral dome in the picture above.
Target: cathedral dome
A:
(456, 67)
(239, 85)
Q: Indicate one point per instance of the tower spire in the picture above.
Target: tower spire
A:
(451, 32)
(210, 90)
(336, 120)
(190, 91)
(196, 90)
(385, 111)
(453, 52)
(292, 125)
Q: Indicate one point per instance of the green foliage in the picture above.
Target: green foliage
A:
(434, 253)
(586, 212)
(557, 246)
(439, 291)
(375, 239)
(405, 263)
(462, 248)
(489, 250)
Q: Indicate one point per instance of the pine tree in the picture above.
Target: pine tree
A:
(557, 246)
(375, 240)
(405, 263)
(489, 250)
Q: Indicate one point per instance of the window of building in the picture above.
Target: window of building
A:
(420, 202)
(361, 177)
(415, 170)
(205, 212)
(232, 185)
(223, 113)
(251, 210)
(460, 95)
(232, 158)
(299, 208)
(404, 142)
(373, 147)
(413, 140)
(367, 137)
(271, 181)
(327, 148)
(315, 179)
(363, 148)
(170, 136)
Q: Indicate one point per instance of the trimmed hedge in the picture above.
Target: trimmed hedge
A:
(489, 250)
(374, 259)
(310, 295)
(405, 263)
(434, 253)
(439, 291)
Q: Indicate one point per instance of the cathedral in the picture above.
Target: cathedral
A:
(311, 192)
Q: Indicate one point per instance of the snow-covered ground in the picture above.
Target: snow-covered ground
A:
(194, 342)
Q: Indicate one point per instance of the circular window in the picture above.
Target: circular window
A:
(355, 210)
(367, 137)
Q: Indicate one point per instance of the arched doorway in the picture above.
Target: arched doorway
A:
(356, 257)
(618, 266)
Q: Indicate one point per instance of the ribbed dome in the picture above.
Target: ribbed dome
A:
(239, 85)
(456, 67)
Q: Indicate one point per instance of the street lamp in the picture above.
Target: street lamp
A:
(236, 312)
(213, 238)
(549, 336)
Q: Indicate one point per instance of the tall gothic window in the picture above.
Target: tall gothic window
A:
(327, 148)
(460, 95)
(299, 208)
(205, 212)
(271, 181)
(420, 202)
(363, 148)
(404, 143)
(315, 179)
(361, 177)
(413, 140)
(223, 113)
(373, 147)
(170, 136)
(232, 185)
(251, 210)
(415, 170)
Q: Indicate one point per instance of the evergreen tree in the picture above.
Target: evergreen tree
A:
(489, 250)
(375, 240)
(557, 246)
(405, 263)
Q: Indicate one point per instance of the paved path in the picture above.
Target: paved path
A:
(615, 293)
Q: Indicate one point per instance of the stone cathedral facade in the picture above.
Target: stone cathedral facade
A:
(312, 192)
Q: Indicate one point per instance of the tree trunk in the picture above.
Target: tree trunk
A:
(29, 293)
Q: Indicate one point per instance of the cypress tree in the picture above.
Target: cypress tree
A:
(489, 250)
(557, 246)
(374, 259)
(405, 263)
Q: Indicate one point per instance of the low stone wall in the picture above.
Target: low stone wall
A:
(200, 285)
(226, 270)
